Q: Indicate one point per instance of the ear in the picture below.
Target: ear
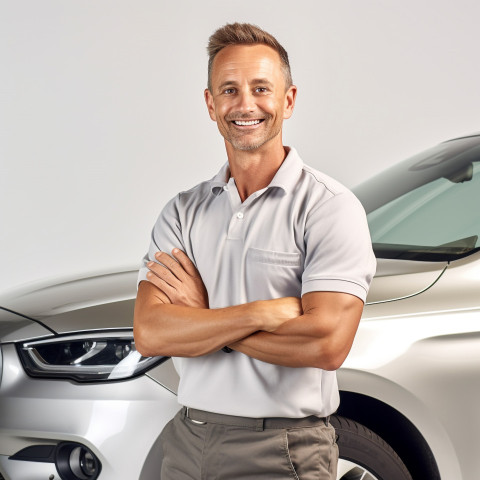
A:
(210, 104)
(290, 96)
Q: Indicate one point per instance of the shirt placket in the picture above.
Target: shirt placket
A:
(236, 226)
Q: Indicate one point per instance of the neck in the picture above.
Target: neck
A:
(254, 169)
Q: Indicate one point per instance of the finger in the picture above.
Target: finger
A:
(163, 273)
(162, 285)
(185, 262)
(171, 264)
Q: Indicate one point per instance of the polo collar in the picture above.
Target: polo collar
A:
(220, 179)
(285, 178)
(287, 175)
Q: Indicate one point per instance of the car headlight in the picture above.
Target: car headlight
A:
(89, 357)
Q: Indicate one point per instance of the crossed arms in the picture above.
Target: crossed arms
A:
(172, 318)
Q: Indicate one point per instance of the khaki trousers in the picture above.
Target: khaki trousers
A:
(202, 446)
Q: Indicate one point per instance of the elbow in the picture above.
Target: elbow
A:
(332, 364)
(143, 350)
(142, 345)
(329, 358)
(148, 348)
(151, 339)
(328, 363)
(147, 342)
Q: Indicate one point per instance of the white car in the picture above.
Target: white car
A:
(78, 402)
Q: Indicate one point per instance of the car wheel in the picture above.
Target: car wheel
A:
(363, 455)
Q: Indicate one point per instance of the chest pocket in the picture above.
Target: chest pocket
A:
(284, 259)
(273, 274)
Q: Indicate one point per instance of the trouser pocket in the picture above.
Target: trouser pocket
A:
(312, 452)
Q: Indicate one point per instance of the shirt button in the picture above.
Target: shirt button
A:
(225, 187)
(240, 215)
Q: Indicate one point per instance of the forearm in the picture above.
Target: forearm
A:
(291, 351)
(180, 331)
(293, 345)
(321, 337)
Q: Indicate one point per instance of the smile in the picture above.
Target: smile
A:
(244, 123)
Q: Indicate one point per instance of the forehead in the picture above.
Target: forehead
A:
(255, 61)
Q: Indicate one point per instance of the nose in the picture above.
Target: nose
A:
(246, 101)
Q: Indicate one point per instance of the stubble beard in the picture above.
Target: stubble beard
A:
(245, 144)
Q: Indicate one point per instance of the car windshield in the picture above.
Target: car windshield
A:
(427, 207)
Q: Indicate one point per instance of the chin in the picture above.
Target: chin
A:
(245, 145)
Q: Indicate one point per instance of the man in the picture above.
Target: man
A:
(255, 283)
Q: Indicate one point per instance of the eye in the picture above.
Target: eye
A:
(229, 91)
(261, 90)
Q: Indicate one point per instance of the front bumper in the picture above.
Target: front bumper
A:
(119, 422)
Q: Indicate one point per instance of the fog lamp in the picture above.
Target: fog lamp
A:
(76, 462)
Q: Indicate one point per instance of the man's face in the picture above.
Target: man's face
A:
(249, 99)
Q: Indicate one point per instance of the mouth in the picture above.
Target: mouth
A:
(247, 123)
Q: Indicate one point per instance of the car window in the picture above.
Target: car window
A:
(427, 208)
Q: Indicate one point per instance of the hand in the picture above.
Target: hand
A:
(279, 311)
(178, 279)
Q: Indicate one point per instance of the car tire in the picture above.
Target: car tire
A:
(363, 454)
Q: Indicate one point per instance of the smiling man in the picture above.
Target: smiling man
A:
(254, 283)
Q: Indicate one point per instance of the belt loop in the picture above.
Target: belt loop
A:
(185, 412)
(259, 425)
(327, 421)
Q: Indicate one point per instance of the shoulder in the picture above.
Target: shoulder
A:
(326, 192)
(322, 181)
(192, 197)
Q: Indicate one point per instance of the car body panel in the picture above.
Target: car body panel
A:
(457, 289)
(97, 317)
(27, 470)
(166, 375)
(416, 277)
(66, 294)
(377, 386)
(427, 371)
(15, 328)
(421, 356)
(101, 416)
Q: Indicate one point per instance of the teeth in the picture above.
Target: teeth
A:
(250, 122)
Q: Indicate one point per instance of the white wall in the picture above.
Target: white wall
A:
(102, 117)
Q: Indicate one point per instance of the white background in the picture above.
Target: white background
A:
(102, 117)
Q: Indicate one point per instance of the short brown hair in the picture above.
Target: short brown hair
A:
(245, 34)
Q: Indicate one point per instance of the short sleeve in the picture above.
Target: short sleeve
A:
(338, 249)
(166, 235)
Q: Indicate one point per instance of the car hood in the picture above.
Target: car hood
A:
(398, 279)
(96, 302)
(15, 327)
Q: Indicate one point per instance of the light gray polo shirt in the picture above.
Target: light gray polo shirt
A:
(305, 232)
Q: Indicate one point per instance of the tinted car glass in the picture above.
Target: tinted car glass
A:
(427, 207)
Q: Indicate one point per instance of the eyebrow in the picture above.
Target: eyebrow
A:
(264, 81)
